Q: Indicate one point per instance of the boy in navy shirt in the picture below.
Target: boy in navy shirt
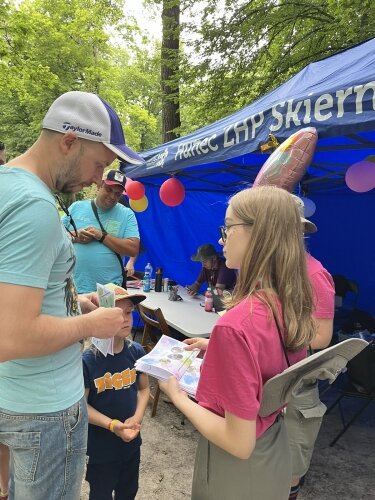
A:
(117, 397)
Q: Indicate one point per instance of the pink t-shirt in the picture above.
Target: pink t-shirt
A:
(323, 288)
(243, 353)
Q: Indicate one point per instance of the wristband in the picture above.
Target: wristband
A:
(104, 234)
(112, 424)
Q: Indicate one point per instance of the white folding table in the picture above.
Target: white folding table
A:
(187, 315)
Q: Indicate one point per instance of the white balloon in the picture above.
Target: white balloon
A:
(310, 207)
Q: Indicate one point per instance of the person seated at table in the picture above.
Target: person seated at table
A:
(130, 266)
(214, 272)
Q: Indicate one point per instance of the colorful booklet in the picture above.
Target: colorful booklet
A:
(169, 357)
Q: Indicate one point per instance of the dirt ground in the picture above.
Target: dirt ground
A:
(341, 472)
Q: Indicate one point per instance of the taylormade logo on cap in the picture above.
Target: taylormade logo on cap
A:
(75, 128)
(89, 116)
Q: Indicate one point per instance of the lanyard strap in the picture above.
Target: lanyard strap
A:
(124, 276)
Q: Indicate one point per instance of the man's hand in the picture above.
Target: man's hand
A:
(88, 302)
(84, 236)
(106, 322)
(130, 268)
(94, 232)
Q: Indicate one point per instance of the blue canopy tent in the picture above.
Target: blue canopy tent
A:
(336, 96)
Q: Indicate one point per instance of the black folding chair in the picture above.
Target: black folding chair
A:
(360, 385)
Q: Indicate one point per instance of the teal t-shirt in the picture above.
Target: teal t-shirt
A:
(36, 252)
(96, 263)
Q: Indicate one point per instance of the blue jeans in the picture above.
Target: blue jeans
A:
(48, 452)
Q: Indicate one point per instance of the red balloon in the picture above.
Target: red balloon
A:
(135, 190)
(172, 192)
(287, 164)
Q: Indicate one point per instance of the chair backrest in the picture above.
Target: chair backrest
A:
(154, 326)
(154, 322)
(361, 370)
(343, 285)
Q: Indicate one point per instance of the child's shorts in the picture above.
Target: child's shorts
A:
(121, 476)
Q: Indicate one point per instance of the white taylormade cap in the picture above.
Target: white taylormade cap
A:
(90, 117)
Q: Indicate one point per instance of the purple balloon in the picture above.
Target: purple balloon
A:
(360, 177)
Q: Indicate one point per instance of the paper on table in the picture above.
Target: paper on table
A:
(106, 299)
(134, 284)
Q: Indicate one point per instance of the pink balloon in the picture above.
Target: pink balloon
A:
(172, 192)
(360, 177)
(135, 190)
(287, 164)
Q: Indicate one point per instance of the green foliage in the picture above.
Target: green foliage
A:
(228, 57)
(140, 84)
(258, 44)
(48, 47)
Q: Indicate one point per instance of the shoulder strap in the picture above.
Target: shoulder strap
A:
(95, 210)
(282, 341)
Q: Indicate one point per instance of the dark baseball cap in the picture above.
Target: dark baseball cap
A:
(114, 178)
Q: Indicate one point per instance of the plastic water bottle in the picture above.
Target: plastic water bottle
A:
(147, 278)
(208, 301)
(148, 269)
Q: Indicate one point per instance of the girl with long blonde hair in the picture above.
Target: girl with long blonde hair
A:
(267, 326)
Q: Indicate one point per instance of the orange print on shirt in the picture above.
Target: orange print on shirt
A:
(116, 381)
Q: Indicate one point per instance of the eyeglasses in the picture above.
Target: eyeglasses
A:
(64, 208)
(224, 229)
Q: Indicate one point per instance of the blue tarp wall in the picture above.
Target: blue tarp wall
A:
(344, 243)
(336, 96)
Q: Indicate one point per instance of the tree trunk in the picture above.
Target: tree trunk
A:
(170, 59)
